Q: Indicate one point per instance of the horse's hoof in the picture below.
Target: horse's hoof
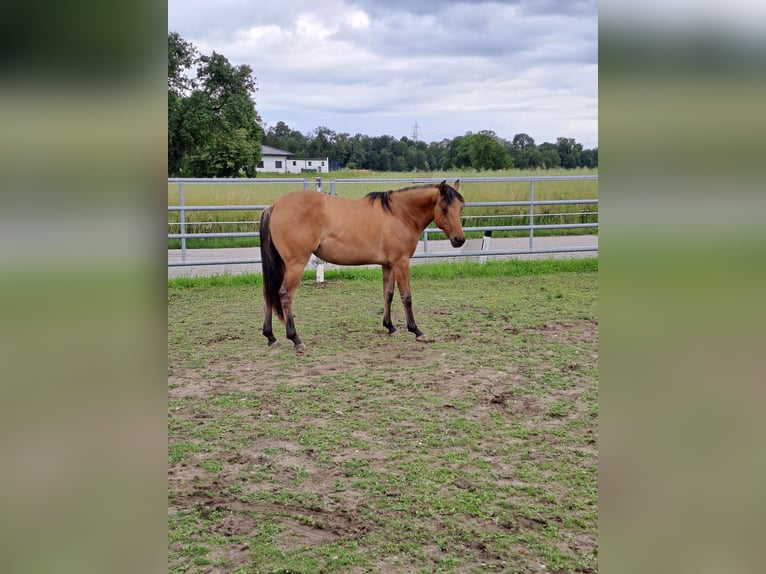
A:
(421, 339)
(392, 333)
(300, 348)
(274, 344)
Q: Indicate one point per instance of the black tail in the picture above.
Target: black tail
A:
(273, 266)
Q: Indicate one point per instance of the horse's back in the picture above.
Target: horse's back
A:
(338, 230)
(306, 207)
(298, 202)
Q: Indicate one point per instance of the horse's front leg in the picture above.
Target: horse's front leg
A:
(388, 296)
(402, 273)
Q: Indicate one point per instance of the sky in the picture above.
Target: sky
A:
(428, 69)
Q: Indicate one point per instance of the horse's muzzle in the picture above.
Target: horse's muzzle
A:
(457, 241)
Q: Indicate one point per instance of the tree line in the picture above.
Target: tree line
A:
(214, 130)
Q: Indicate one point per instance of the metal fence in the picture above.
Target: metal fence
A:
(483, 252)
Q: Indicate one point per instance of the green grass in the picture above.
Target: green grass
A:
(473, 453)
(444, 270)
(266, 193)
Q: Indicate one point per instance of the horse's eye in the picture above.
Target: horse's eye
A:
(444, 210)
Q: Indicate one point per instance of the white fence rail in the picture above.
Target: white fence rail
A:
(483, 252)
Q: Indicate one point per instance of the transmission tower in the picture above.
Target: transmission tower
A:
(415, 132)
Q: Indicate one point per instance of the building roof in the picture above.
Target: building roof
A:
(268, 150)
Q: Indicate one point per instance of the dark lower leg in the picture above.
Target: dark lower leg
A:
(411, 326)
(387, 314)
(267, 330)
(388, 296)
(286, 296)
(291, 333)
(403, 281)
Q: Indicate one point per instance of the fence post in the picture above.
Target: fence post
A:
(319, 262)
(531, 214)
(183, 220)
(485, 246)
(332, 187)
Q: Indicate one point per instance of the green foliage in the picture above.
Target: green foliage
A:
(182, 55)
(213, 127)
(480, 151)
(550, 155)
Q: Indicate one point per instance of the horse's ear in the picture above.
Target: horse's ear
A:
(443, 187)
(456, 187)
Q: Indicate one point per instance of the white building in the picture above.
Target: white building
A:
(275, 160)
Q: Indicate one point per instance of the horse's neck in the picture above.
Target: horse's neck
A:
(419, 205)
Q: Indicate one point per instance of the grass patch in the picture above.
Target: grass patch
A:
(443, 270)
(371, 453)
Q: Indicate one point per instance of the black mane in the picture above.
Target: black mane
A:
(385, 196)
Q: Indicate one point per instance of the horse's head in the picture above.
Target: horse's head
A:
(449, 207)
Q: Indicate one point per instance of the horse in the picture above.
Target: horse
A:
(380, 228)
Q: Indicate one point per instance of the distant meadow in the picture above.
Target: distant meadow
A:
(237, 194)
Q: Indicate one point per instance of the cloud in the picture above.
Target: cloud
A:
(376, 68)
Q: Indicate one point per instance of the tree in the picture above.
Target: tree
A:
(182, 55)
(521, 141)
(569, 152)
(283, 137)
(341, 150)
(213, 127)
(458, 153)
(320, 144)
(417, 158)
(488, 152)
(530, 157)
(224, 155)
(383, 160)
(589, 158)
(435, 154)
(230, 90)
(357, 156)
(550, 155)
(524, 152)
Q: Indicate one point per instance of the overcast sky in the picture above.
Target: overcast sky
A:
(381, 67)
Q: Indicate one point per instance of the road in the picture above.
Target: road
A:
(496, 243)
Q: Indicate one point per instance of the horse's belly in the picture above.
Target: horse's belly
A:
(348, 253)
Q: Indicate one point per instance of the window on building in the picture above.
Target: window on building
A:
(260, 164)
(278, 164)
(295, 163)
(309, 163)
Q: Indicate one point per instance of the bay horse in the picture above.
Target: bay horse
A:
(381, 228)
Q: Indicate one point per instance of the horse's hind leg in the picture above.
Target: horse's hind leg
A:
(267, 330)
(388, 296)
(286, 292)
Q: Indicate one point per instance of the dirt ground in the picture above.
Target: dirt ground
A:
(475, 452)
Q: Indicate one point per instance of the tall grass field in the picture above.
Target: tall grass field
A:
(264, 193)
